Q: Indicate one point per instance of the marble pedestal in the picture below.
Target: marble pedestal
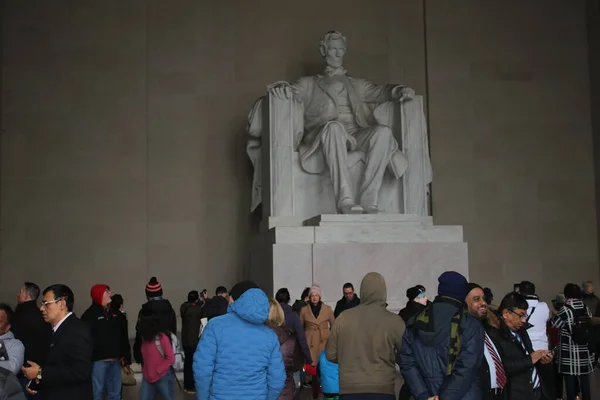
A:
(332, 249)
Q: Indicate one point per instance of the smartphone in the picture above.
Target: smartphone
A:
(33, 384)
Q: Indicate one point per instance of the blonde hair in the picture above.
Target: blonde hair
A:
(276, 315)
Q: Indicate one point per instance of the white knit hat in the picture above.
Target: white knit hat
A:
(315, 289)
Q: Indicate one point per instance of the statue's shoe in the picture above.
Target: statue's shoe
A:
(372, 210)
(351, 209)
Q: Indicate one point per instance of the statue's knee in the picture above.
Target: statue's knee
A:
(384, 132)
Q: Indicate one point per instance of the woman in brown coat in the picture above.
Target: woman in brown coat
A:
(317, 320)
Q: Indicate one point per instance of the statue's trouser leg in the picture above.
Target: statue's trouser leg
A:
(334, 141)
(376, 142)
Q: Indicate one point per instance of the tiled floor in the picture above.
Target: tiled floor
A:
(131, 393)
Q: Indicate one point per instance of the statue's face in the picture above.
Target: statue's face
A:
(334, 55)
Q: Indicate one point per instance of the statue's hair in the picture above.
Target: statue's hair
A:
(329, 36)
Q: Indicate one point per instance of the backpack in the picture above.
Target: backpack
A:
(179, 357)
(581, 330)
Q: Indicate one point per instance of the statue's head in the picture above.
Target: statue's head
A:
(333, 48)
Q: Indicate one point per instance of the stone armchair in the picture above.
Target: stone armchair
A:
(275, 128)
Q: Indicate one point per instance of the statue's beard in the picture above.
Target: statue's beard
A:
(334, 62)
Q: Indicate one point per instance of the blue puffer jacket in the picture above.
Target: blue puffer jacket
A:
(238, 356)
(329, 375)
(424, 357)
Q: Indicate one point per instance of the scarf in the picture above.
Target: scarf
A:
(316, 309)
(424, 322)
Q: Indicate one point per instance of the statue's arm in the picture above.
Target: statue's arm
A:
(286, 90)
(378, 94)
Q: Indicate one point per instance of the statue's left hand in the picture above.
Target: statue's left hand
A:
(406, 93)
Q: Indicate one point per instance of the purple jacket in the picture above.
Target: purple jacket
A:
(292, 322)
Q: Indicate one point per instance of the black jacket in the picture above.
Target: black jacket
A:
(517, 363)
(191, 316)
(299, 305)
(215, 307)
(108, 332)
(343, 305)
(412, 308)
(163, 310)
(67, 373)
(30, 328)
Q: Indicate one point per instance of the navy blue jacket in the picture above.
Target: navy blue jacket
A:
(292, 323)
(424, 357)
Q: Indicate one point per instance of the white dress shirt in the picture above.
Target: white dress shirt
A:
(490, 361)
(55, 328)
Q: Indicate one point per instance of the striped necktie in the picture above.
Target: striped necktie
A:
(500, 374)
(535, 379)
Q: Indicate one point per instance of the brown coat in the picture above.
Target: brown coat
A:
(317, 329)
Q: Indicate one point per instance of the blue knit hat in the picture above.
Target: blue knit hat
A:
(452, 284)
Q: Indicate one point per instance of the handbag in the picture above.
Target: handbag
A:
(127, 377)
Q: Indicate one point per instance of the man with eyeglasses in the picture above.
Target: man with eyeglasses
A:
(348, 300)
(67, 372)
(508, 331)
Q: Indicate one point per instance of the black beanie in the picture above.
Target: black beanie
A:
(240, 288)
(473, 285)
(154, 288)
(414, 291)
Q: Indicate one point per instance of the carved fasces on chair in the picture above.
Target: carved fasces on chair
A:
(415, 146)
(275, 127)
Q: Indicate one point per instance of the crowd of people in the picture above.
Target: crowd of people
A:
(250, 346)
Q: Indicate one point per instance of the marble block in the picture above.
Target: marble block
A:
(332, 249)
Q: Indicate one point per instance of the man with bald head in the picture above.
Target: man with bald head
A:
(492, 375)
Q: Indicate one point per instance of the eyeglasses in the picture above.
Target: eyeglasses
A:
(46, 303)
(521, 316)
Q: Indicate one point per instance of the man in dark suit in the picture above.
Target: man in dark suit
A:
(508, 331)
(30, 328)
(492, 376)
(67, 373)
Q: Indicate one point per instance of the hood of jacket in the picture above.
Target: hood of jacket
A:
(7, 336)
(492, 319)
(533, 302)
(442, 317)
(252, 306)
(412, 308)
(373, 290)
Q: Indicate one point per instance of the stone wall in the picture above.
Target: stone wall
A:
(123, 132)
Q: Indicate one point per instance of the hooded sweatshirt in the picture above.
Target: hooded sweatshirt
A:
(15, 351)
(364, 341)
(538, 314)
(238, 356)
(109, 333)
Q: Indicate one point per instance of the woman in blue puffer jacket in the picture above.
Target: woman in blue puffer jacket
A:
(238, 356)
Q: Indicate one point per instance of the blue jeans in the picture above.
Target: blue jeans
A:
(165, 386)
(106, 374)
